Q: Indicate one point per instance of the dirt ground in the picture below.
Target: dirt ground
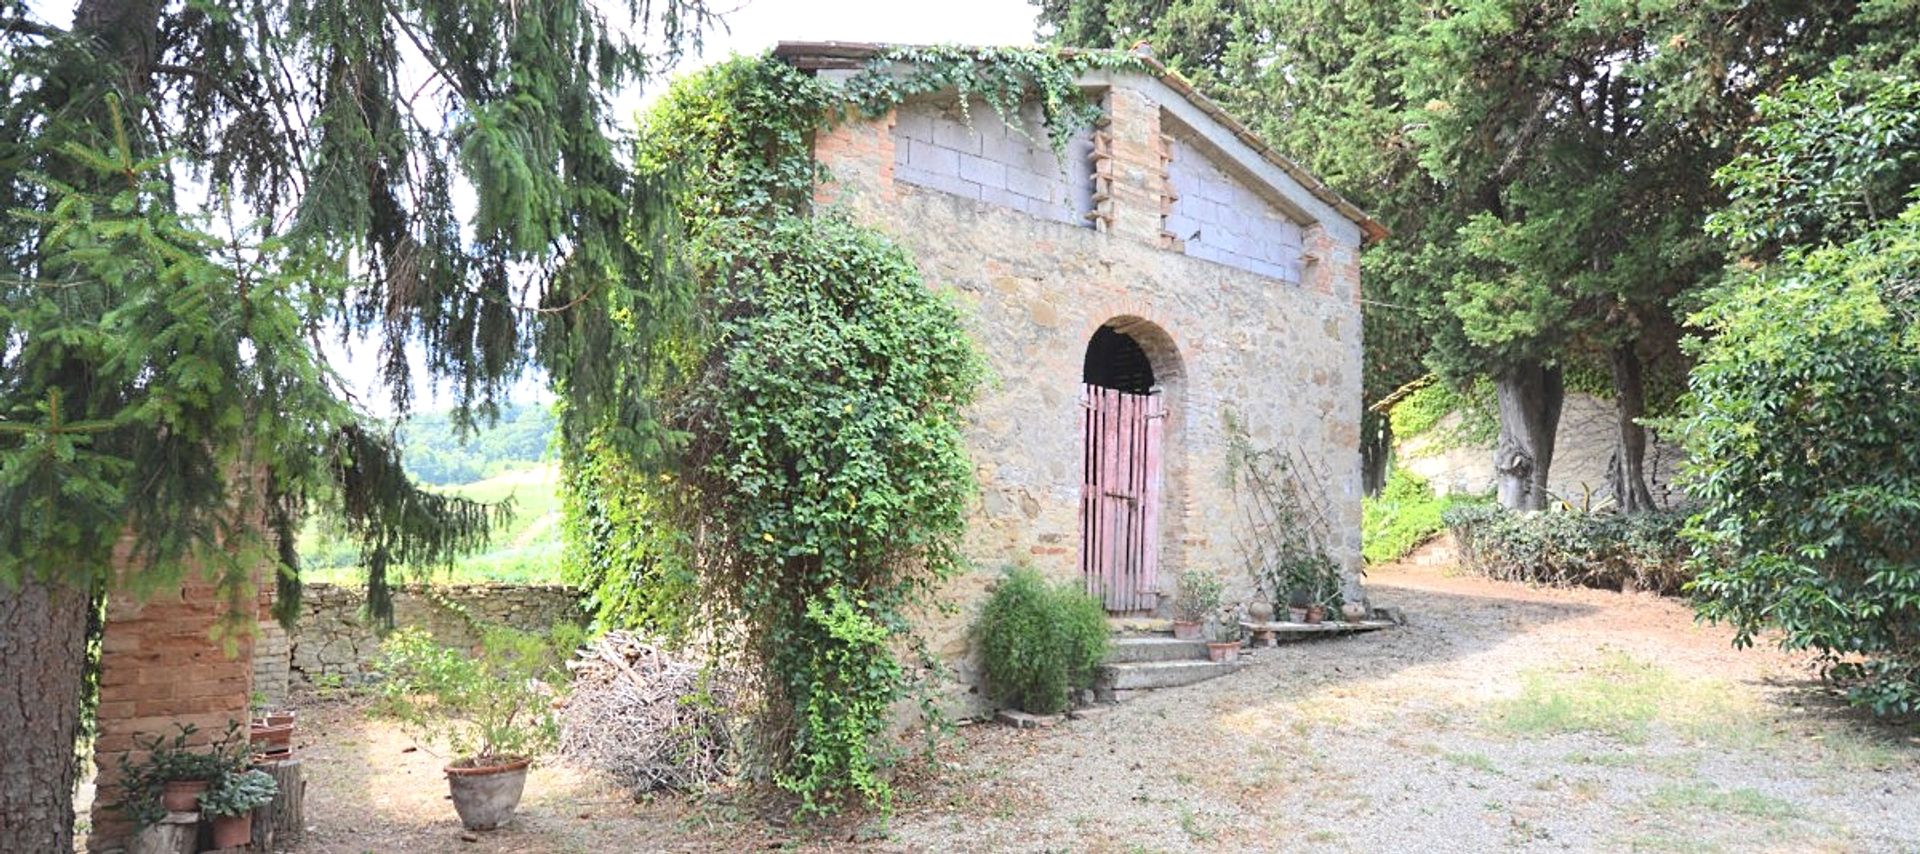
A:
(1499, 717)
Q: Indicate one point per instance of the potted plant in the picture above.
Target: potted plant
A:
(230, 803)
(1199, 595)
(492, 710)
(1224, 638)
(174, 775)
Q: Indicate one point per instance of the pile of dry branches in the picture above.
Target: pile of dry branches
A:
(650, 718)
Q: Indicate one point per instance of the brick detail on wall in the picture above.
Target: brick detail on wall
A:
(160, 666)
(982, 157)
(1133, 184)
(1217, 217)
(334, 637)
(270, 663)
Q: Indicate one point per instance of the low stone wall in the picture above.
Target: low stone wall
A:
(335, 638)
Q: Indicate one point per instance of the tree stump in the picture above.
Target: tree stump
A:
(283, 820)
(178, 833)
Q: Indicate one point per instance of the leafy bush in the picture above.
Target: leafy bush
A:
(488, 709)
(1041, 641)
(1802, 426)
(1403, 516)
(1197, 595)
(237, 793)
(1605, 550)
(171, 759)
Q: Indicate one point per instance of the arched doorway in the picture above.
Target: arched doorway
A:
(1123, 426)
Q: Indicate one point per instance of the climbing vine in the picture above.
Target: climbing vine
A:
(816, 488)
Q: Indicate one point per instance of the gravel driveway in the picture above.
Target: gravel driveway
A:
(1499, 717)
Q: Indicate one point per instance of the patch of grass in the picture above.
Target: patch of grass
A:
(1190, 823)
(1623, 698)
(1476, 761)
(1697, 797)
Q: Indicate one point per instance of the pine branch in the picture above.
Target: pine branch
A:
(21, 26)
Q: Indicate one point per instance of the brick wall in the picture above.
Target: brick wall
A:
(160, 666)
(1218, 217)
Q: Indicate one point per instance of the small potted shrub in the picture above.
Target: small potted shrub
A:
(174, 775)
(492, 710)
(1224, 638)
(1199, 596)
(230, 803)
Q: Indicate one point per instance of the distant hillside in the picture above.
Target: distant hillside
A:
(435, 454)
(526, 550)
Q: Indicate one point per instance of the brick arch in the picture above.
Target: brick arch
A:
(1169, 362)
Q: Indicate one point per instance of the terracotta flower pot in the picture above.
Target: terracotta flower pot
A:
(1228, 652)
(232, 831)
(182, 795)
(1297, 615)
(1185, 630)
(1353, 612)
(1316, 613)
(271, 740)
(486, 796)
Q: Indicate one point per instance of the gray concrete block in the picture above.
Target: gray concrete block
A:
(934, 159)
(1031, 185)
(950, 133)
(982, 171)
(914, 123)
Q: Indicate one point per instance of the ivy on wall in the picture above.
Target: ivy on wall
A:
(816, 485)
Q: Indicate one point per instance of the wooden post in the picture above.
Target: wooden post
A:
(283, 820)
(178, 833)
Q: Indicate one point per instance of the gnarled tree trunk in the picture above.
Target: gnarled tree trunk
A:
(43, 656)
(1529, 396)
(1628, 476)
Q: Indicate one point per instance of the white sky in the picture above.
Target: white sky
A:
(750, 29)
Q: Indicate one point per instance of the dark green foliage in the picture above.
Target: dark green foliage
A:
(169, 759)
(1545, 167)
(1802, 426)
(1041, 641)
(1571, 548)
(1403, 516)
(817, 488)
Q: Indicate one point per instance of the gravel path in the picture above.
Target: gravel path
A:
(1500, 717)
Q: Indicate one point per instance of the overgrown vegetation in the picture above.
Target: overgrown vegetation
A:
(439, 451)
(1041, 641)
(486, 707)
(1614, 551)
(815, 487)
(1803, 422)
(1403, 516)
(1283, 531)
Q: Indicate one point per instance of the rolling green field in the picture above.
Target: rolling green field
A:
(527, 550)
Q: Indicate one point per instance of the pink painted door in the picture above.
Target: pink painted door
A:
(1119, 496)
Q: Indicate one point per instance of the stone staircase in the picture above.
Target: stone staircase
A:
(1143, 658)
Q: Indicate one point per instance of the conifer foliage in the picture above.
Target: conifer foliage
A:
(192, 196)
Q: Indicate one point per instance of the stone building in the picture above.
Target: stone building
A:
(1168, 272)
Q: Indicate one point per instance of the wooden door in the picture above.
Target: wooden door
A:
(1119, 496)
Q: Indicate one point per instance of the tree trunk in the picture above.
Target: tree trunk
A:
(1629, 477)
(1376, 448)
(43, 654)
(1529, 396)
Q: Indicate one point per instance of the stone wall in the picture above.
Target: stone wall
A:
(335, 639)
(1583, 449)
(1282, 356)
(978, 156)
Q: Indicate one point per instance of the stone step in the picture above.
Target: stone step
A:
(1131, 650)
(1161, 674)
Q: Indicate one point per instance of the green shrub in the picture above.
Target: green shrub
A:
(1041, 641)
(1802, 418)
(1403, 516)
(1567, 548)
(1197, 595)
(486, 708)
